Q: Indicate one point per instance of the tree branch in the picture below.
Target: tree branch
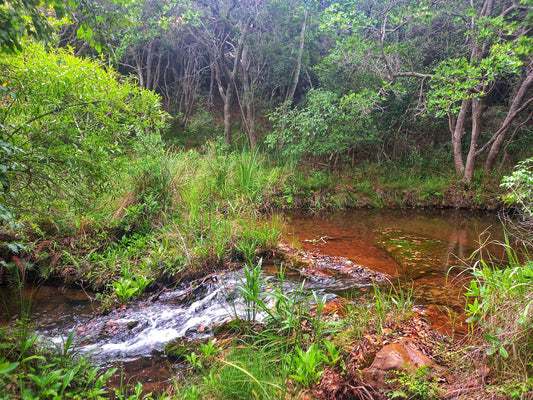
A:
(58, 109)
(413, 75)
(504, 127)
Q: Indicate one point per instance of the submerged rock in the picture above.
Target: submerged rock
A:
(432, 263)
(327, 271)
(417, 255)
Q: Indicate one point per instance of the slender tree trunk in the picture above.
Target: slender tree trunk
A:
(517, 106)
(149, 61)
(477, 113)
(157, 73)
(138, 67)
(292, 89)
(475, 105)
(210, 101)
(166, 93)
(247, 103)
(457, 137)
(294, 84)
(228, 137)
(231, 80)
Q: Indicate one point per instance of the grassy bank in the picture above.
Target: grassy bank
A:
(174, 215)
(381, 185)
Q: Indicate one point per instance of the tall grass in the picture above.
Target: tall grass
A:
(170, 212)
(500, 310)
(388, 304)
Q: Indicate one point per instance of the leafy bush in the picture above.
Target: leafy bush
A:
(520, 186)
(327, 125)
(72, 121)
(520, 195)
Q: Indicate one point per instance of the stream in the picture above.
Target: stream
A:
(424, 250)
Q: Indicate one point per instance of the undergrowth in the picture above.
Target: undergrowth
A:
(173, 215)
(501, 317)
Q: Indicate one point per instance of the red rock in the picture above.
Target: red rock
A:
(402, 356)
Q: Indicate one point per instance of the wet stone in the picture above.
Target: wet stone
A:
(401, 356)
(132, 324)
(329, 272)
(338, 272)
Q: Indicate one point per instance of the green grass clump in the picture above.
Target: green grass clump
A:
(501, 317)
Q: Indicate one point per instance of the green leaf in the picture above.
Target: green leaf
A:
(504, 352)
(59, 10)
(7, 367)
(491, 338)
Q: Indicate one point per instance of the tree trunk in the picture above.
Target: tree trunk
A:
(247, 103)
(149, 61)
(518, 105)
(231, 78)
(224, 76)
(294, 84)
(138, 67)
(228, 98)
(458, 132)
(477, 114)
(211, 98)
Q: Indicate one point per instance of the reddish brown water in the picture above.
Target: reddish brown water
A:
(353, 233)
(443, 242)
(445, 238)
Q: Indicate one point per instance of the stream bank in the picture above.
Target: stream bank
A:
(341, 256)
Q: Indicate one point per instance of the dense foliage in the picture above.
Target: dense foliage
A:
(326, 126)
(68, 125)
(390, 77)
(21, 18)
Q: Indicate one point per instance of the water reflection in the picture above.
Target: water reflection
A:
(426, 248)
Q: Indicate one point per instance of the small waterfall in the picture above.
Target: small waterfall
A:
(143, 328)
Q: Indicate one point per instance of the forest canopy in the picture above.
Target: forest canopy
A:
(351, 79)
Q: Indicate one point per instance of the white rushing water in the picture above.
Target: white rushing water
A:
(145, 327)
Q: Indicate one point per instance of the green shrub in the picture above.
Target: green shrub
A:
(327, 125)
(73, 122)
